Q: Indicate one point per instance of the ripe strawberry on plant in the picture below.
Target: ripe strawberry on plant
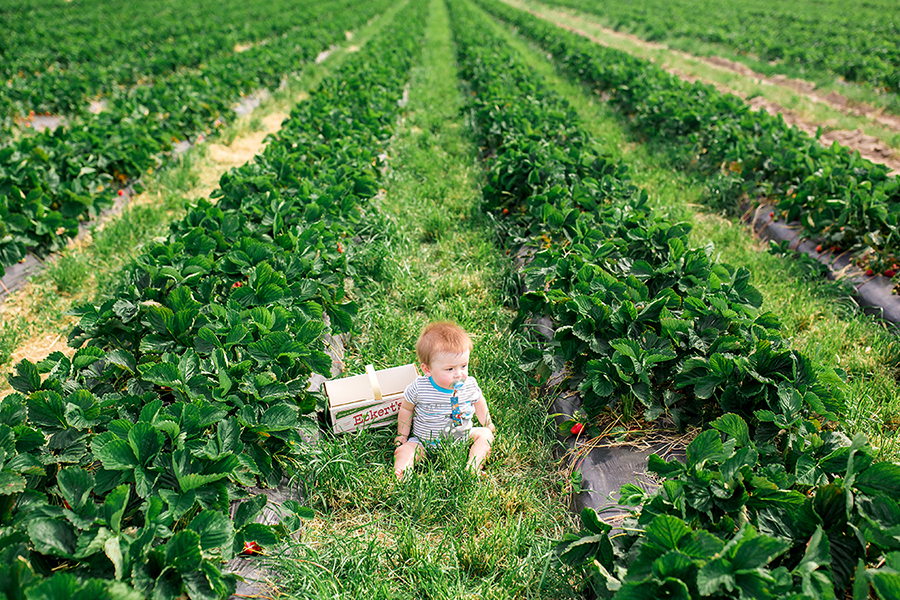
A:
(577, 428)
(890, 273)
(251, 548)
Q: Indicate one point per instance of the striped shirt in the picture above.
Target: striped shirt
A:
(431, 416)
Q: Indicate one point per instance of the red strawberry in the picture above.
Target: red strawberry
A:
(121, 192)
(341, 250)
(819, 248)
(771, 214)
(237, 284)
(505, 211)
(577, 428)
(890, 273)
(869, 272)
(252, 548)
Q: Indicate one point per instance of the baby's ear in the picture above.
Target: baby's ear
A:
(425, 369)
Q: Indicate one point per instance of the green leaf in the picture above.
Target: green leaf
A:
(248, 509)
(163, 374)
(82, 409)
(881, 477)
(11, 483)
(673, 564)
(183, 551)
(228, 434)
(713, 575)
(886, 585)
(47, 410)
(75, 485)
(91, 542)
(706, 446)
(236, 336)
(114, 552)
(758, 552)
(53, 536)
(263, 317)
(579, 551)
(701, 544)
(86, 357)
(114, 506)
(667, 531)
(115, 454)
(161, 319)
(214, 528)
(592, 522)
(206, 340)
(279, 417)
(733, 425)
(631, 495)
(27, 378)
(672, 468)
(145, 441)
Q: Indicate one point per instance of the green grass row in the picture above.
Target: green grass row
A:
(440, 533)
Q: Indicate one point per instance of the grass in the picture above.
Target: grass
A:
(441, 532)
(88, 271)
(817, 315)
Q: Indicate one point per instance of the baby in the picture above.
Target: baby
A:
(439, 406)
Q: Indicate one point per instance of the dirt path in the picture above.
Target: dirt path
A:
(870, 147)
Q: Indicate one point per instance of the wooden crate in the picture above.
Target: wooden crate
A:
(368, 400)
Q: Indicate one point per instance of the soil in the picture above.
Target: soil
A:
(869, 147)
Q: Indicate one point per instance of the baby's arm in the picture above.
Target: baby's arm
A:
(404, 421)
(481, 411)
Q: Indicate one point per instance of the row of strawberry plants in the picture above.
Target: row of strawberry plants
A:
(118, 465)
(56, 58)
(52, 180)
(847, 202)
(770, 503)
(857, 45)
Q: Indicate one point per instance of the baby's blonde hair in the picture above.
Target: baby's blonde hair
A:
(441, 336)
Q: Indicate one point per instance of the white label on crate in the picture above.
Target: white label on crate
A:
(369, 416)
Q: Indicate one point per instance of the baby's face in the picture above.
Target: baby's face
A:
(446, 369)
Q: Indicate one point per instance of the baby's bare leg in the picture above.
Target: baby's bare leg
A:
(482, 438)
(405, 456)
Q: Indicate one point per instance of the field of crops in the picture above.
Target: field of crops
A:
(429, 142)
(859, 45)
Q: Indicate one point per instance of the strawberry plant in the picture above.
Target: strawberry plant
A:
(119, 466)
(51, 180)
(764, 506)
(822, 517)
(852, 45)
(836, 196)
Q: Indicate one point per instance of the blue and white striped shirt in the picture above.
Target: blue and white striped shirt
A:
(431, 416)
